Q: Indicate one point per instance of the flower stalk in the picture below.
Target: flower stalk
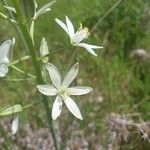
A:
(31, 48)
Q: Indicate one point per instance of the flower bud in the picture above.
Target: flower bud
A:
(11, 110)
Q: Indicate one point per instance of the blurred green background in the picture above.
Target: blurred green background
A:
(119, 76)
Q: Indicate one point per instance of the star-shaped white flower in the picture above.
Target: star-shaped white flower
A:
(78, 36)
(63, 91)
(4, 56)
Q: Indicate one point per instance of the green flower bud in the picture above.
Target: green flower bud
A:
(11, 110)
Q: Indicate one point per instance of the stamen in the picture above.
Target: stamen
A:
(86, 30)
(62, 92)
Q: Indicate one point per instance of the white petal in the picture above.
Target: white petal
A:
(54, 75)
(47, 90)
(73, 108)
(63, 26)
(91, 46)
(71, 75)
(3, 70)
(91, 51)
(70, 27)
(87, 48)
(79, 90)
(13, 42)
(57, 107)
(4, 51)
(15, 125)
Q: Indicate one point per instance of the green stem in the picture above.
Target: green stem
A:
(17, 80)
(31, 48)
(139, 103)
(55, 51)
(26, 57)
(106, 14)
(28, 74)
(30, 105)
(7, 18)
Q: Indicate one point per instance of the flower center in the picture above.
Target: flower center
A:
(80, 35)
(86, 32)
(62, 92)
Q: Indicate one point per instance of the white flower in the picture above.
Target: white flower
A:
(63, 91)
(15, 124)
(4, 56)
(78, 36)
